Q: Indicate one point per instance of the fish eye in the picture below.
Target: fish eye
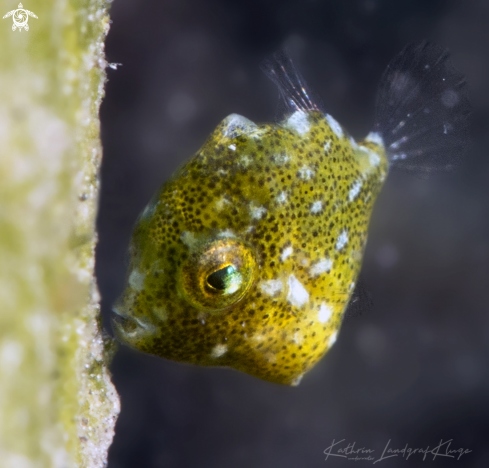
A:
(218, 275)
(224, 279)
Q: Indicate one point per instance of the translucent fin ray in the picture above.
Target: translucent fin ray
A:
(294, 92)
(423, 109)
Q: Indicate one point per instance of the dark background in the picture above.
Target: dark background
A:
(414, 367)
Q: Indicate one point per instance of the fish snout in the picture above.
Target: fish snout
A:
(127, 327)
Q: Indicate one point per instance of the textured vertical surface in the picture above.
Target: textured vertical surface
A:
(57, 404)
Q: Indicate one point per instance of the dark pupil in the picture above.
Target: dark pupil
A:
(220, 278)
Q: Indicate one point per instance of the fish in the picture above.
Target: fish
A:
(248, 256)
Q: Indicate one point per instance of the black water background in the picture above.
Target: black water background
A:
(414, 368)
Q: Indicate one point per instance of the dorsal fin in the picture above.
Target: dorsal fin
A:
(294, 92)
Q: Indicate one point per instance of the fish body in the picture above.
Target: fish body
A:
(248, 256)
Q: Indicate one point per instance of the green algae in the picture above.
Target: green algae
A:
(57, 404)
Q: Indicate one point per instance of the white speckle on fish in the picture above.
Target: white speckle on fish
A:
(322, 266)
(136, 280)
(189, 239)
(374, 158)
(149, 211)
(258, 133)
(297, 338)
(271, 287)
(281, 158)
(297, 380)
(226, 233)
(342, 240)
(238, 125)
(306, 173)
(325, 313)
(332, 338)
(219, 350)
(375, 137)
(355, 190)
(316, 207)
(298, 296)
(221, 204)
(245, 160)
(257, 212)
(287, 251)
(282, 197)
(299, 122)
(335, 126)
(258, 337)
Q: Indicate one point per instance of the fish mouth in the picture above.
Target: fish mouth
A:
(126, 327)
(122, 322)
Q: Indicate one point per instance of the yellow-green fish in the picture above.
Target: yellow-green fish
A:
(248, 256)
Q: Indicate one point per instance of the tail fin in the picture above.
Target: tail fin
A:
(294, 92)
(423, 109)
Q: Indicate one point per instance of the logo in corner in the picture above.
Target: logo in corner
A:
(20, 17)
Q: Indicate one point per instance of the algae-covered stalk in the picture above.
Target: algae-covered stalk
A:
(57, 404)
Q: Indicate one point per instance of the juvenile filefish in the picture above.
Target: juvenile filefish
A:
(248, 256)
